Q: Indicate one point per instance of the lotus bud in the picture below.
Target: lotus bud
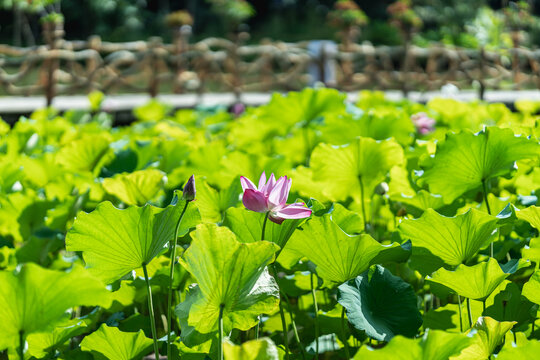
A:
(189, 189)
(382, 189)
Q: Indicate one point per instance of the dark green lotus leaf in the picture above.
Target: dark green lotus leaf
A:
(381, 304)
(464, 160)
(339, 257)
(508, 304)
(438, 240)
(115, 242)
(112, 344)
(434, 345)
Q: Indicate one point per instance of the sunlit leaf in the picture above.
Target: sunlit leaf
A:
(229, 274)
(34, 299)
(261, 349)
(434, 345)
(136, 188)
(89, 153)
(339, 256)
(463, 161)
(115, 242)
(438, 240)
(531, 215)
(531, 289)
(346, 171)
(112, 344)
(488, 334)
(478, 281)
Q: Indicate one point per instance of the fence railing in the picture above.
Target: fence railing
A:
(217, 65)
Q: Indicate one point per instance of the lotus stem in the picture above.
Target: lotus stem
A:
(172, 245)
(305, 131)
(469, 312)
(220, 348)
(484, 192)
(316, 308)
(22, 341)
(151, 311)
(295, 330)
(282, 315)
(363, 203)
(262, 238)
(285, 330)
(345, 342)
(460, 316)
(264, 225)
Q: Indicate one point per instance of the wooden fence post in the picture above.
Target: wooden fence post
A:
(53, 33)
(181, 42)
(154, 44)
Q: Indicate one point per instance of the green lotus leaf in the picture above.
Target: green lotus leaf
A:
(213, 203)
(447, 317)
(531, 289)
(89, 153)
(261, 349)
(478, 281)
(371, 308)
(339, 257)
(532, 251)
(530, 350)
(531, 215)
(153, 110)
(434, 345)
(344, 171)
(95, 98)
(327, 343)
(229, 274)
(247, 225)
(40, 344)
(302, 107)
(420, 202)
(437, 239)
(136, 188)
(42, 297)
(488, 334)
(115, 242)
(112, 344)
(507, 304)
(463, 161)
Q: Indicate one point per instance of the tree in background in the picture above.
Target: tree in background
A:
(25, 13)
(446, 20)
(348, 18)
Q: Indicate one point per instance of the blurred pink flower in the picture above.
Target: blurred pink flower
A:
(271, 197)
(423, 123)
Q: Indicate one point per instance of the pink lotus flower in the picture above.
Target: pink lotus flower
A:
(271, 197)
(423, 123)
